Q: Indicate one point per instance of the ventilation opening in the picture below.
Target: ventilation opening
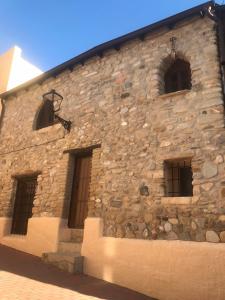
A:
(25, 193)
(178, 76)
(178, 178)
(46, 115)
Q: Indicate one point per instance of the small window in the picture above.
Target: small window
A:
(178, 178)
(45, 116)
(25, 193)
(178, 76)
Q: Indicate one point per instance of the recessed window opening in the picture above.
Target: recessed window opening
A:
(25, 193)
(178, 76)
(178, 178)
(45, 116)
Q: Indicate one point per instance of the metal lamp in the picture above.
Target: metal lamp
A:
(57, 99)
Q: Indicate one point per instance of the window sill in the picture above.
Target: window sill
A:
(47, 134)
(49, 128)
(179, 200)
(173, 94)
(18, 235)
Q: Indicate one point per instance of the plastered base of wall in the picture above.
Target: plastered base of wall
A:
(42, 235)
(166, 270)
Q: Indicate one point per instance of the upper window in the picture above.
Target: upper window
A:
(178, 76)
(45, 116)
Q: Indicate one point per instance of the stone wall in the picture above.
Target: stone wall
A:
(117, 101)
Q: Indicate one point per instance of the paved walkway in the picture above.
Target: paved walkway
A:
(25, 277)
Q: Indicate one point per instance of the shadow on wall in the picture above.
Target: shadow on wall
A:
(166, 270)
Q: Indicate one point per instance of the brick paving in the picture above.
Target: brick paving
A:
(26, 277)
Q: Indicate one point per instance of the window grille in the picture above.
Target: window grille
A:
(25, 193)
(178, 178)
(178, 76)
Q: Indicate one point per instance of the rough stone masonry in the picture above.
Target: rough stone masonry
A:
(117, 101)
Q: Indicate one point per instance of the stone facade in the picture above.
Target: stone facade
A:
(117, 101)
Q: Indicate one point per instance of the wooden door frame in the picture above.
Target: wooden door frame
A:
(81, 151)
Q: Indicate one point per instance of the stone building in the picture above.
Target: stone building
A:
(132, 158)
(15, 70)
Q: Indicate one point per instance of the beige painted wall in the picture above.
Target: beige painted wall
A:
(166, 270)
(5, 68)
(42, 235)
(15, 70)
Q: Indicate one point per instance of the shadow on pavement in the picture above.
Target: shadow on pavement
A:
(32, 267)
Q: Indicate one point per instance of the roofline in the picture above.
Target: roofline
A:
(115, 43)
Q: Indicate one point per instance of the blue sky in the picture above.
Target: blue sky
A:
(53, 31)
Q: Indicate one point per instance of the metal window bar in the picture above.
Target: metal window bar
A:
(178, 178)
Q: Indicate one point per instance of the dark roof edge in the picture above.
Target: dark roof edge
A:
(98, 50)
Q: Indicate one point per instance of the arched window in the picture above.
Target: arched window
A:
(178, 76)
(45, 116)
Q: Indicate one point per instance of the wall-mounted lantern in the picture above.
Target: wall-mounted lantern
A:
(57, 99)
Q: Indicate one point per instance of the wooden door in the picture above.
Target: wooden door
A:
(25, 193)
(80, 191)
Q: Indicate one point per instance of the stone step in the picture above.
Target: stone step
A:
(69, 234)
(77, 235)
(72, 263)
(69, 247)
(65, 234)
